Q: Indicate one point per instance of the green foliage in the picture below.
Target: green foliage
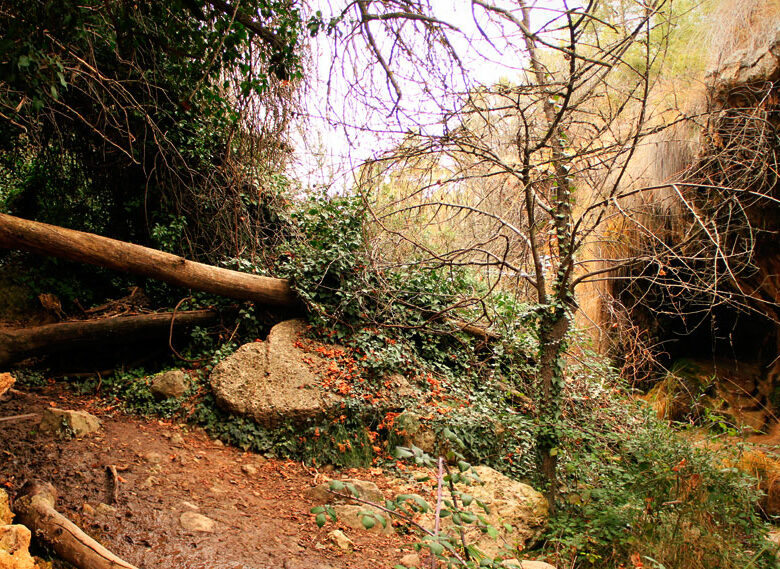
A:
(132, 389)
(632, 486)
(341, 441)
(120, 118)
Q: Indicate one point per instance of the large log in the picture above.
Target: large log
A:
(35, 509)
(19, 343)
(44, 239)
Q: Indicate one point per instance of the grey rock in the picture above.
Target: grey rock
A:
(273, 380)
(369, 491)
(170, 385)
(69, 423)
(192, 521)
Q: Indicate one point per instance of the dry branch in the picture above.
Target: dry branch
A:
(14, 418)
(35, 509)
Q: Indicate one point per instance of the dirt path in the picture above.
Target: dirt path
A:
(262, 516)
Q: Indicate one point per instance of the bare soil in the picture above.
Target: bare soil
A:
(262, 516)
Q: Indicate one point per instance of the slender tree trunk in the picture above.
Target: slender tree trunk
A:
(44, 239)
(551, 351)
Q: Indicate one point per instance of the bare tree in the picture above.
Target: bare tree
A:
(534, 179)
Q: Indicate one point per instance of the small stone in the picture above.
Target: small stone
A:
(149, 482)
(14, 547)
(105, 510)
(177, 439)
(249, 469)
(341, 541)
(6, 516)
(320, 546)
(190, 505)
(218, 443)
(68, 423)
(352, 517)
(535, 565)
(170, 385)
(411, 560)
(87, 510)
(365, 491)
(153, 457)
(192, 521)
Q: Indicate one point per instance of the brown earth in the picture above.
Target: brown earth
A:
(262, 517)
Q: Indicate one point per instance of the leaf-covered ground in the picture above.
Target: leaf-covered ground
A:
(262, 517)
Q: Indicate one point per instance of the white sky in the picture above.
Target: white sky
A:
(342, 132)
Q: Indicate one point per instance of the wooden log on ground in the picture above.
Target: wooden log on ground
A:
(35, 508)
(44, 239)
(20, 343)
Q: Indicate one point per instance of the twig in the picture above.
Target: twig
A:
(399, 515)
(455, 503)
(170, 335)
(112, 484)
(437, 521)
(18, 417)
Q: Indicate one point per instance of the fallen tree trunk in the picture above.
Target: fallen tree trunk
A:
(35, 509)
(44, 239)
(19, 343)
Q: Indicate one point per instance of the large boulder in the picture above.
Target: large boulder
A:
(274, 380)
(66, 423)
(351, 515)
(509, 502)
(14, 548)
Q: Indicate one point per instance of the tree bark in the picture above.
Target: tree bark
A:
(19, 343)
(35, 509)
(44, 239)
(550, 356)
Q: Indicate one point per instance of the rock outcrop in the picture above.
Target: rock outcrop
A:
(745, 68)
(509, 502)
(14, 548)
(273, 381)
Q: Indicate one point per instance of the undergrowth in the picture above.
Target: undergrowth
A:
(634, 494)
